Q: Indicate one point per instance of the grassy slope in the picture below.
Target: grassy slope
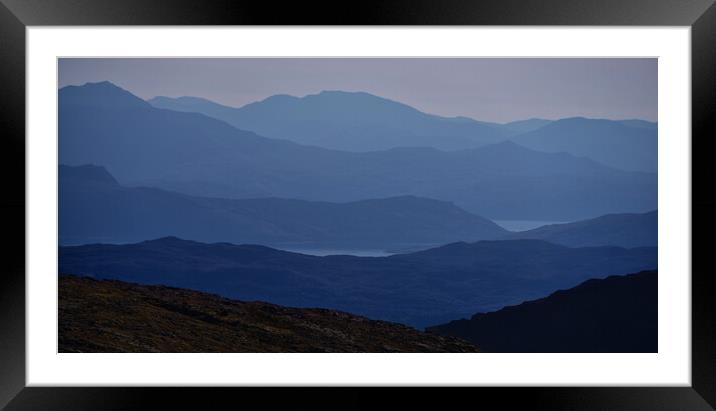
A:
(114, 316)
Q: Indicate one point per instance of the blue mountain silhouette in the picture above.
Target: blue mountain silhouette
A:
(93, 207)
(353, 121)
(420, 289)
(623, 230)
(627, 145)
(198, 155)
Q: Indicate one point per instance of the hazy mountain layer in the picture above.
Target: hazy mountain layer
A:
(627, 145)
(622, 230)
(523, 126)
(194, 154)
(94, 208)
(352, 121)
(364, 122)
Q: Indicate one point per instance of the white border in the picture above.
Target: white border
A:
(671, 366)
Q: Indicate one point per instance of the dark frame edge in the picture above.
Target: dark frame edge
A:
(367, 12)
(547, 398)
(12, 205)
(703, 302)
(16, 395)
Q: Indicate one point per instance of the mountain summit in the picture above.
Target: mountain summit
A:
(101, 94)
(195, 154)
(353, 121)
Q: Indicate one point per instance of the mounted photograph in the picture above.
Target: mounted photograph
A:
(358, 205)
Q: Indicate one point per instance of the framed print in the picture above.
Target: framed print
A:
(494, 196)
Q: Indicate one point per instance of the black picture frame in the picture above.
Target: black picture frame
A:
(16, 15)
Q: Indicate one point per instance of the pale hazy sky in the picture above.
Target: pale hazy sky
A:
(488, 89)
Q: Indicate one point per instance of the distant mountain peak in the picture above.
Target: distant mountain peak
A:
(191, 99)
(362, 96)
(279, 97)
(100, 94)
(345, 120)
(342, 92)
(341, 100)
(104, 83)
(99, 85)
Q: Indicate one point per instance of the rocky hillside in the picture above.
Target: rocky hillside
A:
(114, 316)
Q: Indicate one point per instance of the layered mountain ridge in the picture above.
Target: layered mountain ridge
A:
(352, 121)
(623, 230)
(94, 207)
(418, 289)
(628, 145)
(198, 155)
(192, 194)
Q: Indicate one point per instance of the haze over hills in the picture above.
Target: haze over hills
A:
(94, 207)
(615, 314)
(198, 155)
(627, 145)
(623, 230)
(275, 206)
(352, 121)
(356, 121)
(93, 314)
(418, 289)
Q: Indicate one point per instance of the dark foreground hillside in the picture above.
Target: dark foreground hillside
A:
(114, 316)
(615, 314)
